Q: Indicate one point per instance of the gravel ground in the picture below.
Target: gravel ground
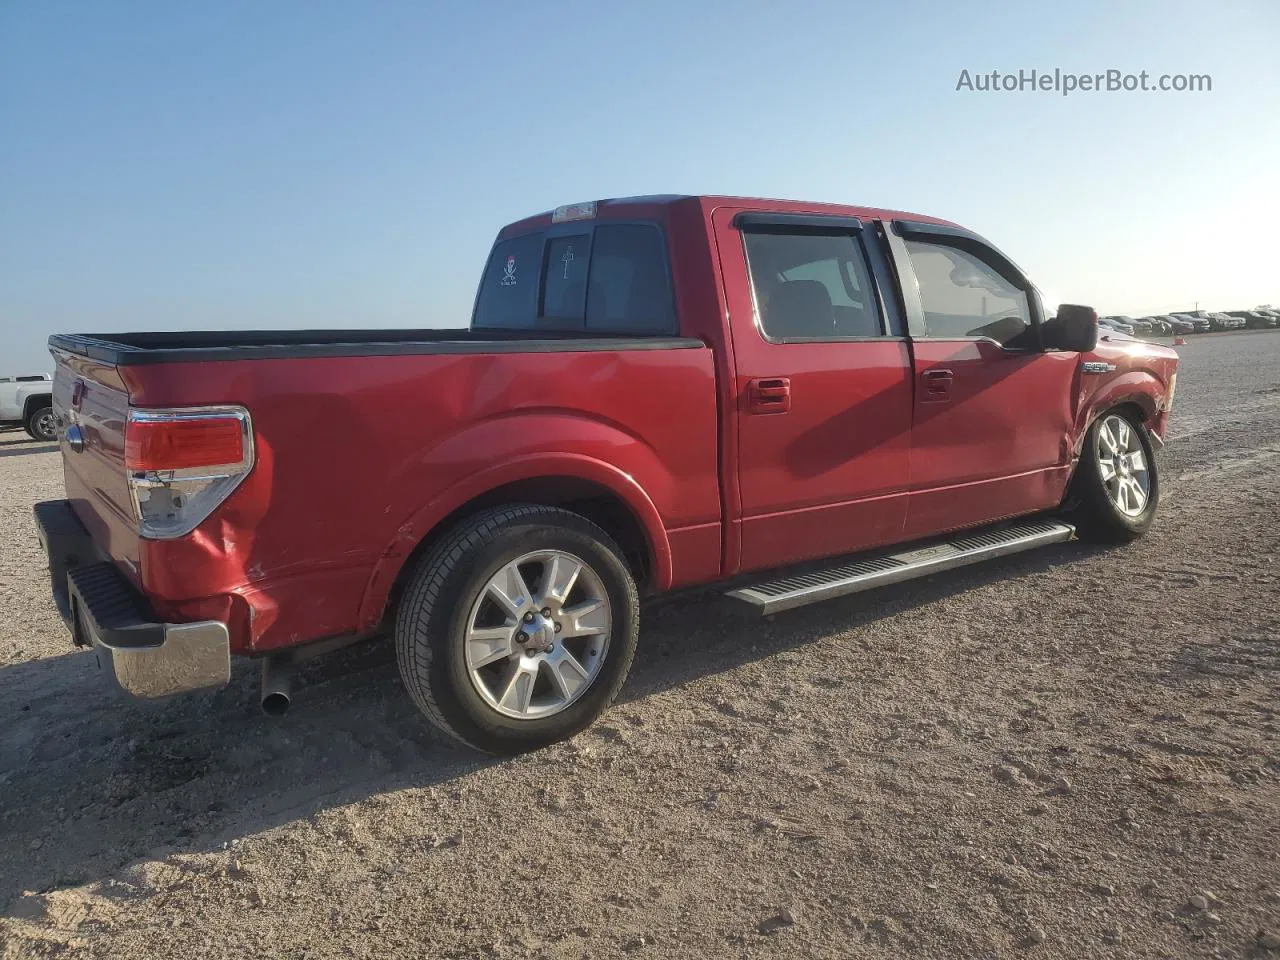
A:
(1069, 753)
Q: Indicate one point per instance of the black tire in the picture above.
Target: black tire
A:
(40, 424)
(1089, 505)
(432, 620)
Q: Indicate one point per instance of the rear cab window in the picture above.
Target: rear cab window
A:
(609, 278)
(508, 294)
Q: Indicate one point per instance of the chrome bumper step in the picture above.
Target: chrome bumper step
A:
(878, 570)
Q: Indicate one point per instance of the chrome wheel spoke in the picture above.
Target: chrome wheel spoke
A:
(1107, 440)
(586, 619)
(1108, 470)
(509, 591)
(486, 645)
(561, 573)
(1120, 431)
(1137, 494)
(517, 694)
(568, 675)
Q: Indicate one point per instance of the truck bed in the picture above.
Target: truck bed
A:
(362, 438)
(135, 349)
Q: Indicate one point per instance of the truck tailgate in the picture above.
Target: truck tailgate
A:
(91, 397)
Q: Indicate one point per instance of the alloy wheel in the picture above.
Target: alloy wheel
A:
(538, 634)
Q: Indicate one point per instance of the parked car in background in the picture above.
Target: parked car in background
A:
(1254, 319)
(1130, 326)
(27, 402)
(1111, 323)
(1201, 319)
(1159, 326)
(1180, 325)
(654, 392)
(1227, 321)
(1198, 324)
(1214, 320)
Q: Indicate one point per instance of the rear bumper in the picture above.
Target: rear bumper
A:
(146, 658)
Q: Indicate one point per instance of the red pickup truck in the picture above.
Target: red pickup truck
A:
(653, 393)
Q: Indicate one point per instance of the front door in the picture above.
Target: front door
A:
(824, 388)
(991, 431)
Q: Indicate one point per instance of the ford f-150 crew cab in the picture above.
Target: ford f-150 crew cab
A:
(797, 400)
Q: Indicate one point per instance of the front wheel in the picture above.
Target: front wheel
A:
(1116, 489)
(518, 628)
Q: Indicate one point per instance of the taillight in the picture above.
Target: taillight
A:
(184, 462)
(177, 444)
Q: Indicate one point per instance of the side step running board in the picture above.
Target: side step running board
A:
(879, 570)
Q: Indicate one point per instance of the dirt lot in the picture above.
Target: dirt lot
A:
(1066, 754)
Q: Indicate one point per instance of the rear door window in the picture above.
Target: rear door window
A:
(811, 286)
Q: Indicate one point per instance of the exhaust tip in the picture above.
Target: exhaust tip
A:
(275, 704)
(277, 683)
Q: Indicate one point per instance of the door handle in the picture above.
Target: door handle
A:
(937, 383)
(769, 395)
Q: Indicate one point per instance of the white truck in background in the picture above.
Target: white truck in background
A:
(27, 402)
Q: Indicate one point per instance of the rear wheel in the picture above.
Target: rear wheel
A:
(42, 424)
(518, 628)
(1116, 489)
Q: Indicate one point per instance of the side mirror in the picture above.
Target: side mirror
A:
(1074, 328)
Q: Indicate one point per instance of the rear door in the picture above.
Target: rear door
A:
(823, 386)
(991, 430)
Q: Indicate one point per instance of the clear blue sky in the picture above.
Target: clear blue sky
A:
(214, 165)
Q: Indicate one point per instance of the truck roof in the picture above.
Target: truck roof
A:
(655, 206)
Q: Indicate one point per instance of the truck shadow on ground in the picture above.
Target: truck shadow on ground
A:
(90, 782)
(22, 449)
